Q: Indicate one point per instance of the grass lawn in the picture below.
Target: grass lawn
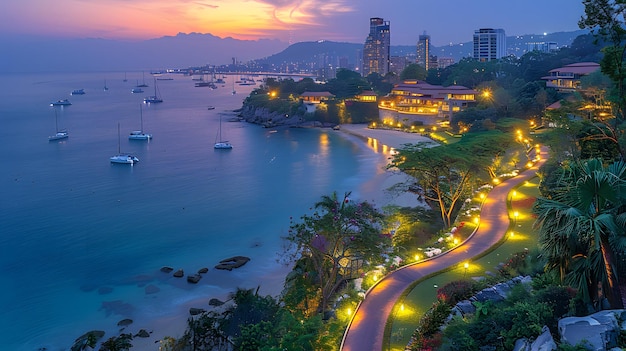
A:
(420, 298)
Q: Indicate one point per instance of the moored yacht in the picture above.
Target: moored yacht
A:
(64, 102)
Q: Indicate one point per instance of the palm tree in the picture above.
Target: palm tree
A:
(581, 229)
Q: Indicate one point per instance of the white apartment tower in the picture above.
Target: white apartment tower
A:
(376, 51)
(489, 44)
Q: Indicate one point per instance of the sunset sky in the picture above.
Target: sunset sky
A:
(447, 21)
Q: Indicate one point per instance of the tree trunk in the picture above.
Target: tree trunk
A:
(613, 293)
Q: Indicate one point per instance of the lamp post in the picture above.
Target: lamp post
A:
(466, 266)
(515, 215)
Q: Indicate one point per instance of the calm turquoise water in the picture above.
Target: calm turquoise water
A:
(82, 238)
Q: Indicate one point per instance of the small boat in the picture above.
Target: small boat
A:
(136, 90)
(64, 102)
(105, 85)
(60, 134)
(154, 99)
(123, 158)
(78, 92)
(211, 108)
(139, 134)
(219, 143)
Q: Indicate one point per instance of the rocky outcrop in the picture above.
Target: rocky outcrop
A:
(233, 262)
(262, 116)
(203, 270)
(179, 273)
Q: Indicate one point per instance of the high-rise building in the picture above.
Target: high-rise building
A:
(423, 51)
(376, 51)
(544, 46)
(489, 44)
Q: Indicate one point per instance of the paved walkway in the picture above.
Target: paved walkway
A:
(367, 328)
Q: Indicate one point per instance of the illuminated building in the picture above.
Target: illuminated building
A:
(376, 51)
(489, 44)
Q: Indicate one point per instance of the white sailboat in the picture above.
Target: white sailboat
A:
(154, 98)
(140, 134)
(123, 158)
(60, 134)
(219, 143)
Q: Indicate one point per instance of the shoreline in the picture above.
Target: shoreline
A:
(380, 143)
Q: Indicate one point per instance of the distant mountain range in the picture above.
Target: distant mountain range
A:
(31, 54)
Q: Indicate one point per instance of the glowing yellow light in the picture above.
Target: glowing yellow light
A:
(518, 132)
(529, 164)
(374, 124)
(482, 196)
(466, 265)
(476, 220)
(417, 257)
(514, 193)
(496, 181)
(512, 234)
(456, 241)
(273, 94)
(375, 277)
(515, 214)
(399, 125)
(402, 307)
(412, 127)
(434, 129)
(422, 129)
(349, 311)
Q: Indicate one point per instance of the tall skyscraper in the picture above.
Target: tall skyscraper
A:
(489, 44)
(423, 51)
(376, 51)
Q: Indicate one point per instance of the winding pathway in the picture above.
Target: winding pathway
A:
(366, 330)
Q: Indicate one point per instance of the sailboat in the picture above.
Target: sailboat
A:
(143, 84)
(122, 157)
(219, 143)
(139, 134)
(155, 98)
(105, 85)
(60, 134)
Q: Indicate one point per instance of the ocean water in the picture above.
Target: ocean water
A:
(81, 238)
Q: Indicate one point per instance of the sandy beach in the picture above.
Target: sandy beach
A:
(378, 191)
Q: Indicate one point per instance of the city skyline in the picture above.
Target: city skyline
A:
(289, 21)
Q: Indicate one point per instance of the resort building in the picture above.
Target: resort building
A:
(423, 51)
(312, 99)
(376, 51)
(567, 78)
(417, 102)
(489, 44)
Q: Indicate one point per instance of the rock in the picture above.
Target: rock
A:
(215, 302)
(544, 342)
(233, 262)
(179, 273)
(152, 289)
(166, 269)
(142, 334)
(521, 345)
(203, 270)
(125, 322)
(488, 294)
(194, 278)
(196, 311)
(599, 331)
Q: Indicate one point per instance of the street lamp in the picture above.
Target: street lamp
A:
(515, 215)
(466, 266)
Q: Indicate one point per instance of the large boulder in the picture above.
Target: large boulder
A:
(233, 262)
(544, 342)
(194, 278)
(179, 273)
(597, 331)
